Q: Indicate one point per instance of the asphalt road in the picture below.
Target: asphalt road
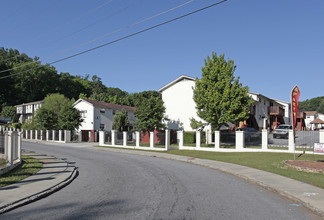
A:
(122, 186)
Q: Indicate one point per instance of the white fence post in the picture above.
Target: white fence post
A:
(101, 138)
(113, 137)
(217, 140)
(198, 139)
(19, 145)
(26, 133)
(53, 135)
(60, 135)
(10, 146)
(67, 136)
(321, 136)
(138, 138)
(167, 139)
(89, 136)
(264, 139)
(47, 135)
(239, 140)
(152, 139)
(180, 138)
(124, 138)
(291, 144)
(36, 134)
(31, 134)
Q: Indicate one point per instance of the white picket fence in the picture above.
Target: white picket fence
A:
(240, 145)
(48, 135)
(10, 149)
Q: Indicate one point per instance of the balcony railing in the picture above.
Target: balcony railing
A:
(276, 110)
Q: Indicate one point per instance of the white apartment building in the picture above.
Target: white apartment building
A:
(180, 106)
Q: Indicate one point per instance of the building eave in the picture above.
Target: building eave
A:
(175, 81)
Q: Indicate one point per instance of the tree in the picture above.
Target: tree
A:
(9, 112)
(219, 97)
(121, 122)
(149, 114)
(55, 102)
(197, 125)
(58, 113)
(69, 118)
(47, 119)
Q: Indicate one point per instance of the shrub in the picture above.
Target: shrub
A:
(189, 137)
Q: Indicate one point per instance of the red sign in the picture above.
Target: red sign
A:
(294, 104)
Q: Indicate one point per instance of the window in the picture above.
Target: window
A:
(83, 113)
(102, 110)
(114, 112)
(102, 126)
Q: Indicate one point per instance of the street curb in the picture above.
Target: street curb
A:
(41, 194)
(200, 162)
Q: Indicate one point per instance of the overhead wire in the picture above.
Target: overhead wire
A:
(33, 17)
(15, 11)
(60, 26)
(92, 24)
(99, 38)
(120, 39)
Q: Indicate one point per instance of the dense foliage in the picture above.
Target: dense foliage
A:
(57, 113)
(34, 81)
(121, 122)
(9, 112)
(219, 97)
(314, 104)
(150, 113)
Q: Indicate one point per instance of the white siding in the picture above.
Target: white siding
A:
(179, 104)
(88, 110)
(105, 118)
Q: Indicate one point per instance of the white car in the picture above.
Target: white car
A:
(282, 131)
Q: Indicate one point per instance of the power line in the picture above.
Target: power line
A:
(101, 37)
(60, 26)
(94, 23)
(122, 38)
(15, 11)
(33, 17)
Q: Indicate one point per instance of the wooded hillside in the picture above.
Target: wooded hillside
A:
(28, 80)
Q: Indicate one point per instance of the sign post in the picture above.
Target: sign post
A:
(295, 93)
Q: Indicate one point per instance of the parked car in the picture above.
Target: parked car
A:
(282, 131)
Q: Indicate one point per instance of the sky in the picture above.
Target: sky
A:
(274, 44)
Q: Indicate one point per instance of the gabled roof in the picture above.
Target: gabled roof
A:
(317, 121)
(30, 103)
(105, 105)
(277, 100)
(175, 81)
(310, 112)
(193, 79)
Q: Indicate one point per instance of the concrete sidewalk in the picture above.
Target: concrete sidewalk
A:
(300, 193)
(54, 175)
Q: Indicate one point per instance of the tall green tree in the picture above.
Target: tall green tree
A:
(150, 114)
(121, 122)
(58, 113)
(69, 118)
(9, 112)
(219, 97)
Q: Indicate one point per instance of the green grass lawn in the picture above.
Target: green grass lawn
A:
(271, 162)
(28, 167)
(2, 162)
